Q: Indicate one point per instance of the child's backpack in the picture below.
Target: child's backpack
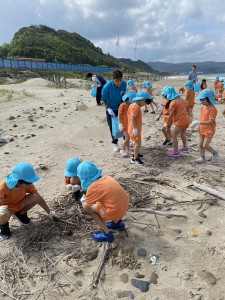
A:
(101, 80)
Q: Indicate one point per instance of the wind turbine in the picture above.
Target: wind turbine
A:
(117, 46)
(135, 50)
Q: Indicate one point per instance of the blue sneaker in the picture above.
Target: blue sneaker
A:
(101, 236)
(111, 225)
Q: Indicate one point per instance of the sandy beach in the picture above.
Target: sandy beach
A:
(45, 126)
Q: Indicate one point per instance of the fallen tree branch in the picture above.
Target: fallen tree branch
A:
(8, 295)
(157, 212)
(100, 267)
(209, 190)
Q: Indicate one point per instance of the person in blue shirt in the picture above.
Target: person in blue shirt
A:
(112, 94)
(193, 74)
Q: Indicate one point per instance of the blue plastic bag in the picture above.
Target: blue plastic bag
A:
(115, 128)
(93, 91)
(197, 86)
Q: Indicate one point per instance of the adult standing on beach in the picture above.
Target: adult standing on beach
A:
(112, 94)
(99, 82)
(193, 74)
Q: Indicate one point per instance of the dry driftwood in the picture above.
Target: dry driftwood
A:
(157, 212)
(100, 267)
(209, 190)
(8, 295)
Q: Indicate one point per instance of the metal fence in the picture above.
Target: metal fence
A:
(42, 65)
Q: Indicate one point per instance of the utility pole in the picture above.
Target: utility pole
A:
(117, 46)
(135, 51)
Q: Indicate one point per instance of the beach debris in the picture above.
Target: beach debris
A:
(141, 252)
(3, 138)
(139, 275)
(124, 294)
(124, 277)
(154, 277)
(210, 278)
(202, 214)
(194, 232)
(11, 118)
(154, 259)
(209, 190)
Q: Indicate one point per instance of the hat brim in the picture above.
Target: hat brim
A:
(86, 182)
(70, 174)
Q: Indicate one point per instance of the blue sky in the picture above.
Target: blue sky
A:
(169, 31)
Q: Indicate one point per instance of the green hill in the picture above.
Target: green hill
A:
(42, 42)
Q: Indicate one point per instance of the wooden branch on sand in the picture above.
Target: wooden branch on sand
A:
(100, 267)
(209, 190)
(157, 212)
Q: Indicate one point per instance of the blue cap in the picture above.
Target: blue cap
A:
(189, 84)
(217, 77)
(207, 93)
(22, 171)
(71, 167)
(171, 93)
(130, 83)
(88, 172)
(143, 94)
(131, 94)
(165, 90)
(147, 84)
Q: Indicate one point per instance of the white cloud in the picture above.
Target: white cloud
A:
(166, 30)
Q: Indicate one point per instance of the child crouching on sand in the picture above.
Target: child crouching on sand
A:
(105, 200)
(17, 196)
(166, 127)
(181, 120)
(207, 125)
(123, 120)
(70, 178)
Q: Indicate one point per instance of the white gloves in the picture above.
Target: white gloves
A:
(4, 210)
(110, 111)
(53, 216)
(69, 187)
(165, 125)
(194, 124)
(120, 127)
(82, 199)
(75, 188)
(135, 132)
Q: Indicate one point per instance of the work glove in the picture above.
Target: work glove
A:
(194, 124)
(53, 216)
(120, 127)
(82, 199)
(110, 111)
(165, 125)
(69, 187)
(75, 188)
(135, 132)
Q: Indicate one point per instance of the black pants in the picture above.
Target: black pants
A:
(99, 95)
(109, 121)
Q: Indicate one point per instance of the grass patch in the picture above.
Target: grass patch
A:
(10, 95)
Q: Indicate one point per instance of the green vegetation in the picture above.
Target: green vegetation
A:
(9, 95)
(42, 42)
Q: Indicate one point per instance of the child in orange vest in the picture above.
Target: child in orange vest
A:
(131, 86)
(70, 178)
(207, 125)
(135, 122)
(148, 86)
(123, 119)
(181, 120)
(190, 97)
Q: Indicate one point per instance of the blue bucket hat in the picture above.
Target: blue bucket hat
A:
(189, 84)
(171, 93)
(165, 90)
(88, 172)
(207, 93)
(130, 95)
(217, 78)
(71, 167)
(147, 84)
(143, 94)
(22, 171)
(130, 83)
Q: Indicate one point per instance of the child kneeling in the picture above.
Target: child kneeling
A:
(105, 200)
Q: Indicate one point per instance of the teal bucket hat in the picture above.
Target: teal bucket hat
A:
(71, 167)
(130, 82)
(147, 84)
(171, 93)
(21, 171)
(143, 94)
(189, 84)
(130, 95)
(165, 90)
(207, 93)
(88, 172)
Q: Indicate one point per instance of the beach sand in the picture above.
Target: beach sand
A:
(45, 126)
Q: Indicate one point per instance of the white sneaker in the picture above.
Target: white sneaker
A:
(214, 158)
(116, 148)
(200, 161)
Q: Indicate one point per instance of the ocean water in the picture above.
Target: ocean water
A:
(210, 77)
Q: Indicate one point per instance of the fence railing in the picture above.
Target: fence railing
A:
(42, 65)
